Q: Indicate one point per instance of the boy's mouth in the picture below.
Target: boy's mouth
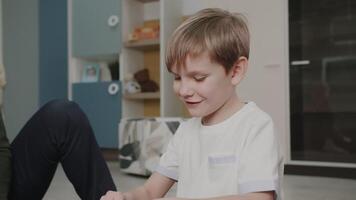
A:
(192, 102)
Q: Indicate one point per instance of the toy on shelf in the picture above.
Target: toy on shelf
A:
(143, 78)
(148, 32)
(131, 86)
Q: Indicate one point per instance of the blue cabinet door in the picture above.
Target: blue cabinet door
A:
(102, 104)
(96, 28)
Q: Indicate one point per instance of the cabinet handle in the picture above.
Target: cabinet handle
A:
(300, 62)
(113, 20)
(113, 89)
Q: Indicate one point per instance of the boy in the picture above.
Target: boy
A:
(229, 149)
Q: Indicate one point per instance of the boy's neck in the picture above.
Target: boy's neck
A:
(224, 112)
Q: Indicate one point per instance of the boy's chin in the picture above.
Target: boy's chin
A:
(195, 114)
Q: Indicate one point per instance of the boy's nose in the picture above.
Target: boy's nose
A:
(185, 90)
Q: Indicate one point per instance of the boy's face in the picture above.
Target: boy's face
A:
(203, 86)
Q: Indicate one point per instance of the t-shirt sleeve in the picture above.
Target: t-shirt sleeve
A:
(259, 167)
(169, 161)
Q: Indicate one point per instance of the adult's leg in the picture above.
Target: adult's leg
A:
(58, 132)
(5, 162)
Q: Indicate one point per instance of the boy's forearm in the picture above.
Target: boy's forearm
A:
(139, 193)
(155, 187)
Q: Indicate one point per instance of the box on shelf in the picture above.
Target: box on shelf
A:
(144, 33)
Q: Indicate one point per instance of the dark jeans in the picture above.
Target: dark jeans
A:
(58, 133)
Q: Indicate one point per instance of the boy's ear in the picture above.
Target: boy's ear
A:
(238, 70)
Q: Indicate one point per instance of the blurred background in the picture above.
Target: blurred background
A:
(108, 56)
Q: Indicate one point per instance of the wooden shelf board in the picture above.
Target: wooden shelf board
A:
(146, 1)
(143, 95)
(144, 45)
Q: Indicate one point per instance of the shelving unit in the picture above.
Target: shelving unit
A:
(145, 95)
(146, 1)
(149, 54)
(145, 45)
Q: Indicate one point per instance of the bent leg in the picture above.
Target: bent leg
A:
(58, 132)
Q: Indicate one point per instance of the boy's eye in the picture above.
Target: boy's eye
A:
(199, 78)
(176, 77)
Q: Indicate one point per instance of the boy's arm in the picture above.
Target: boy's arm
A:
(250, 196)
(155, 187)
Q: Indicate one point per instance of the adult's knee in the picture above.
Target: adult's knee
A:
(59, 110)
(60, 105)
(64, 119)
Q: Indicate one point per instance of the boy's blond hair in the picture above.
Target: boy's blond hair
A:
(223, 35)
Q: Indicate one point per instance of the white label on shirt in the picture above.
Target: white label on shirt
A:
(222, 159)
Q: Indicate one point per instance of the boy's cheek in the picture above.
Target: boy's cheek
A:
(176, 88)
(175, 92)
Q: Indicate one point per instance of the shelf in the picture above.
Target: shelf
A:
(147, 1)
(144, 45)
(144, 95)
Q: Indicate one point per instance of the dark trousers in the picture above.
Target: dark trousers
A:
(58, 133)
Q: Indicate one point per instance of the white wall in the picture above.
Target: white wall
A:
(21, 60)
(267, 79)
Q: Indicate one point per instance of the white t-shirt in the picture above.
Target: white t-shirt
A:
(237, 156)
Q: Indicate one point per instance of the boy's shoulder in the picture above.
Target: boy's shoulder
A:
(257, 111)
(254, 114)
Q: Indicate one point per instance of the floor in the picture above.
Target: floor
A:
(295, 187)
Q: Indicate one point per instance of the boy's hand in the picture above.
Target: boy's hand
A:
(111, 195)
